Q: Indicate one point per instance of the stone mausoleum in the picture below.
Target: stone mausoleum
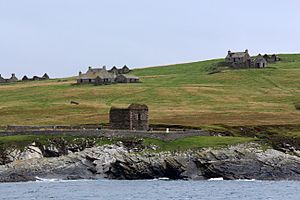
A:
(135, 117)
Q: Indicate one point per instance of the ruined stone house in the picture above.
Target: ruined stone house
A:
(96, 76)
(12, 79)
(260, 62)
(238, 59)
(135, 117)
(244, 60)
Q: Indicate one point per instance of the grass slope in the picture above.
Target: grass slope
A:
(178, 94)
(196, 142)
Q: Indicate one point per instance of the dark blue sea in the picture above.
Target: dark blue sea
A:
(151, 190)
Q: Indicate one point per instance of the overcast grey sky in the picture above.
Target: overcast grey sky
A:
(61, 37)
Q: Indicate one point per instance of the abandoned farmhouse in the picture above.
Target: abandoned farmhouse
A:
(244, 60)
(101, 76)
(135, 117)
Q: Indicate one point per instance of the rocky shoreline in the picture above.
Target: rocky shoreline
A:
(243, 161)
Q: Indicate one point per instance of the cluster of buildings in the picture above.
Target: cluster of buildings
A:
(36, 78)
(101, 76)
(13, 78)
(244, 60)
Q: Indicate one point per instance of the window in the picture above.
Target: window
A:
(139, 117)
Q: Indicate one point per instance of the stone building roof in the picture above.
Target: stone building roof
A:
(238, 54)
(260, 58)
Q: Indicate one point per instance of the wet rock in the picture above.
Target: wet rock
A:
(247, 161)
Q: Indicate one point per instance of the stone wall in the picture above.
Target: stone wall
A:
(172, 135)
(135, 117)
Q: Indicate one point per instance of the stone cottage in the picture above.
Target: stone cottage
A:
(135, 117)
(260, 62)
(238, 59)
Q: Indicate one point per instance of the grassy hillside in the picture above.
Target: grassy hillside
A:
(178, 94)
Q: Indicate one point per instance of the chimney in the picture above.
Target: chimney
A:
(229, 53)
(80, 73)
(104, 67)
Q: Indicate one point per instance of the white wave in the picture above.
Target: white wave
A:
(216, 179)
(46, 180)
(246, 180)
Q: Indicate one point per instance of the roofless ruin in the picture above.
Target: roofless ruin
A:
(135, 117)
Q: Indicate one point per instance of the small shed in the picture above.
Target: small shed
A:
(135, 117)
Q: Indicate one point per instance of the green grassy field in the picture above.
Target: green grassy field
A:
(196, 142)
(184, 94)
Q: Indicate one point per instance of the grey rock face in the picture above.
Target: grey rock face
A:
(115, 162)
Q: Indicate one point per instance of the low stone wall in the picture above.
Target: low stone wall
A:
(172, 135)
(51, 127)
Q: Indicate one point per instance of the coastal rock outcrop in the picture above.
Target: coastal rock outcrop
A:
(244, 161)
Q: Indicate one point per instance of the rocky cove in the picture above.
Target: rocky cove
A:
(134, 161)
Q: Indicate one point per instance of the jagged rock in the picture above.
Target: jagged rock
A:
(247, 161)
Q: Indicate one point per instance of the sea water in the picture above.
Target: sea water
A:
(151, 190)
